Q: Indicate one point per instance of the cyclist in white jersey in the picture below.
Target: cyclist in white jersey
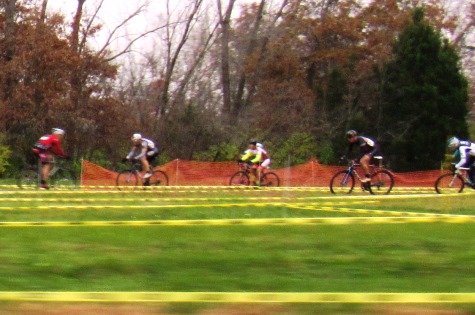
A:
(145, 151)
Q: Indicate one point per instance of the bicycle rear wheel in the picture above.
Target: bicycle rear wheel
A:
(382, 182)
(342, 182)
(159, 178)
(270, 179)
(449, 183)
(126, 179)
(239, 179)
(28, 179)
(63, 179)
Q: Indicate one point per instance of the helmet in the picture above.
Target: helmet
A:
(57, 131)
(453, 143)
(259, 145)
(351, 133)
(136, 137)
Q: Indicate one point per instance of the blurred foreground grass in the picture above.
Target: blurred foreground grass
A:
(406, 257)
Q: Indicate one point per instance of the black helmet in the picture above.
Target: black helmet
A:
(351, 134)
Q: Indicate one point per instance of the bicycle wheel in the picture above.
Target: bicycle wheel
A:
(159, 178)
(382, 182)
(239, 179)
(28, 179)
(126, 179)
(449, 183)
(63, 179)
(270, 179)
(342, 182)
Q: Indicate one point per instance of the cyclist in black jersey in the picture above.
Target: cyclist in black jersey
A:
(368, 148)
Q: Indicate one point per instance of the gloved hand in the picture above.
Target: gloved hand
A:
(125, 160)
(457, 170)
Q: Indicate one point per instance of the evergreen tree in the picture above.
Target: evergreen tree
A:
(424, 98)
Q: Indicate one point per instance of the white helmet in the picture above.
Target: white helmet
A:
(259, 145)
(57, 131)
(136, 137)
(453, 143)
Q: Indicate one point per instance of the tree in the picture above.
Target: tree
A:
(424, 98)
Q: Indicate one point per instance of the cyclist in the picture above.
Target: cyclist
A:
(45, 149)
(464, 151)
(258, 157)
(368, 149)
(145, 151)
(264, 160)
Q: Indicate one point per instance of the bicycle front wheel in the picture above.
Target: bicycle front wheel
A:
(63, 179)
(126, 179)
(239, 179)
(159, 178)
(342, 182)
(28, 179)
(270, 179)
(382, 182)
(449, 183)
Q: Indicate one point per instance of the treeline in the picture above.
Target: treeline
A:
(295, 75)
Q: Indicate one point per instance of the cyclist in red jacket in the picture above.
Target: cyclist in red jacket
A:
(46, 148)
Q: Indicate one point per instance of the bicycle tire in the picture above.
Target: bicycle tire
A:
(449, 183)
(270, 179)
(342, 182)
(159, 178)
(239, 179)
(28, 179)
(382, 183)
(126, 179)
(63, 178)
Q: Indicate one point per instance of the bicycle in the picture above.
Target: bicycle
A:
(130, 177)
(59, 176)
(381, 182)
(453, 182)
(243, 177)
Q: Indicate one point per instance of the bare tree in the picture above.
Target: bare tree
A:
(225, 20)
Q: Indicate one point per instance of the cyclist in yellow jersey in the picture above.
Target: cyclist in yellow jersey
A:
(257, 155)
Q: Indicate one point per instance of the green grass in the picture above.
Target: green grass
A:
(406, 257)
(367, 258)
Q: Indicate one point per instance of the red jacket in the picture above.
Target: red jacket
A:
(52, 144)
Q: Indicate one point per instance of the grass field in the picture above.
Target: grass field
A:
(191, 239)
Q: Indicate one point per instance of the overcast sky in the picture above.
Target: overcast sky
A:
(114, 12)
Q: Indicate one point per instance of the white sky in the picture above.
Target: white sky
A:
(114, 12)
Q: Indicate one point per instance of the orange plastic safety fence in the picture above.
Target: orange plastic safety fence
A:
(193, 173)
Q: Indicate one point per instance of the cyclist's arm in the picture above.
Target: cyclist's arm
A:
(247, 155)
(141, 154)
(463, 157)
(257, 158)
(131, 154)
(57, 149)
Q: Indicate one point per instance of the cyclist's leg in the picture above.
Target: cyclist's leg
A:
(148, 159)
(45, 159)
(471, 172)
(262, 166)
(253, 173)
(364, 162)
